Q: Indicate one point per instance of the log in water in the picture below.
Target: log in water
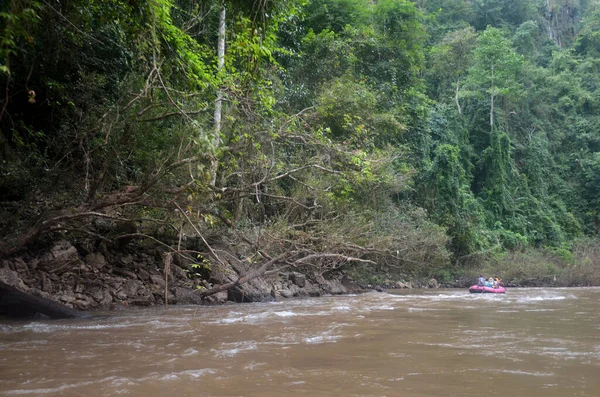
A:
(529, 342)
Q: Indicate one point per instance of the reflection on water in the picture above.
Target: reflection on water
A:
(528, 342)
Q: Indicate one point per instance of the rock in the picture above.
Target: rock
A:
(112, 282)
(120, 295)
(10, 277)
(143, 275)
(186, 296)
(124, 273)
(97, 294)
(432, 283)
(131, 287)
(157, 280)
(295, 290)
(118, 306)
(348, 283)
(257, 290)
(220, 297)
(63, 256)
(46, 284)
(67, 297)
(178, 273)
(106, 299)
(33, 264)
(20, 265)
(127, 260)
(333, 287)
(83, 303)
(96, 261)
(319, 279)
(400, 284)
(309, 290)
(141, 302)
(299, 279)
(286, 293)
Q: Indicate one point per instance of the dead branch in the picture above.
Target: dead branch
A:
(182, 113)
(125, 196)
(242, 280)
(340, 257)
(168, 258)
(213, 253)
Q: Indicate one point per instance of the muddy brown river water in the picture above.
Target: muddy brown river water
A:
(528, 342)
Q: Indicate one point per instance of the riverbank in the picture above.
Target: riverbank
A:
(85, 276)
(137, 275)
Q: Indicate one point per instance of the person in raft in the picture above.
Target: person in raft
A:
(488, 283)
(481, 280)
(498, 281)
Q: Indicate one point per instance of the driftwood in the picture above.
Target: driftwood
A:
(16, 303)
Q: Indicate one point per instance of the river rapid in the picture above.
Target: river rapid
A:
(528, 342)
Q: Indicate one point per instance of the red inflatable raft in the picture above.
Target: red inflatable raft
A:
(480, 289)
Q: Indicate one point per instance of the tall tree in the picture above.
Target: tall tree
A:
(495, 70)
(452, 58)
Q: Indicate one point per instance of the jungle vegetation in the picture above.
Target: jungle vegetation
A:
(390, 138)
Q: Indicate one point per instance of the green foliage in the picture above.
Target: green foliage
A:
(495, 67)
(417, 131)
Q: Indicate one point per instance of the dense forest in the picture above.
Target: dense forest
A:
(386, 139)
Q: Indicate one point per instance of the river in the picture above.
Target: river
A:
(528, 342)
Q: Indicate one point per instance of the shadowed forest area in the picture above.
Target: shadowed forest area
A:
(384, 140)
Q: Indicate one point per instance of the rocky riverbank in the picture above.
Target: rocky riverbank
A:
(106, 278)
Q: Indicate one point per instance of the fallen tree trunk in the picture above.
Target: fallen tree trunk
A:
(245, 279)
(16, 303)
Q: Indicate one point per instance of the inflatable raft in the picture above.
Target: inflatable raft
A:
(480, 289)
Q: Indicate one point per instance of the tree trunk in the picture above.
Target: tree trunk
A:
(456, 96)
(492, 102)
(219, 101)
(15, 303)
(251, 276)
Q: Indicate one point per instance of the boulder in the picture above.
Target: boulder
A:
(131, 287)
(299, 279)
(187, 296)
(127, 260)
(33, 264)
(142, 302)
(10, 277)
(84, 303)
(257, 290)
(20, 265)
(96, 261)
(333, 287)
(67, 297)
(400, 284)
(97, 294)
(309, 289)
(219, 297)
(285, 293)
(106, 299)
(62, 257)
(143, 275)
(158, 280)
(124, 273)
(433, 283)
(46, 284)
